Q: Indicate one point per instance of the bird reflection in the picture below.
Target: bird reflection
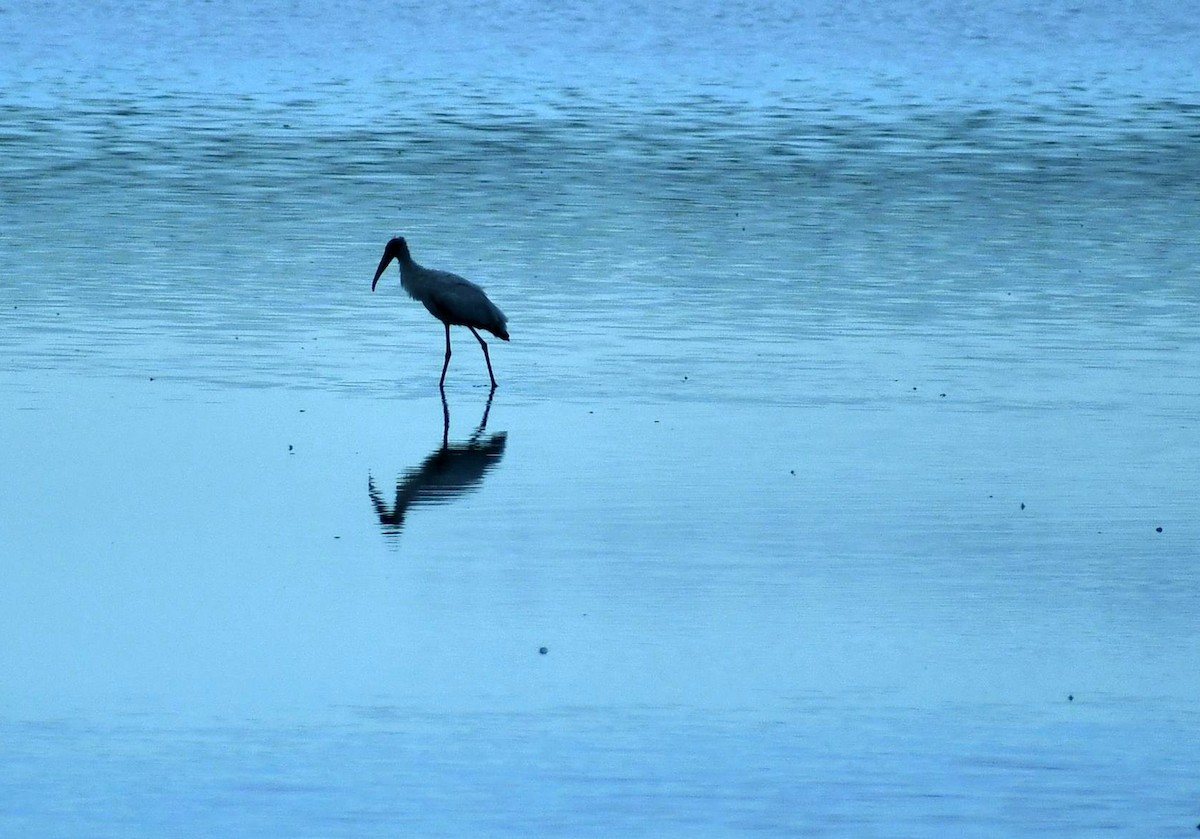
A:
(447, 473)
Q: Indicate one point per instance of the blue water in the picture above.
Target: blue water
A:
(843, 461)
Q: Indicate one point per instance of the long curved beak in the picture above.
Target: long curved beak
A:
(383, 264)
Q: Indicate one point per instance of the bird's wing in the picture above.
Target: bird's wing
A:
(461, 301)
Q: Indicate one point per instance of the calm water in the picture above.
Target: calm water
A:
(844, 461)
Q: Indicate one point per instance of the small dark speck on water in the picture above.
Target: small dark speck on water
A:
(290, 447)
(543, 650)
(941, 394)
(1158, 530)
(1070, 697)
(302, 410)
(1022, 505)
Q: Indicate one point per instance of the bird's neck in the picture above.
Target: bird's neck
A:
(410, 272)
(407, 266)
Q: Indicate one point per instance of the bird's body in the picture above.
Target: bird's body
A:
(453, 300)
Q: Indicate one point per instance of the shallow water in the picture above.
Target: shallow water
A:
(822, 619)
(843, 463)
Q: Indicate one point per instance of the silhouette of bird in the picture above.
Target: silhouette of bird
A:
(448, 297)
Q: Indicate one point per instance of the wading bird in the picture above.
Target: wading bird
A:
(448, 297)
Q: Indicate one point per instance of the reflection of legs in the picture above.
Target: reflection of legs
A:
(486, 410)
(446, 366)
(446, 417)
(483, 344)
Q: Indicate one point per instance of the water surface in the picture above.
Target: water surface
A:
(843, 463)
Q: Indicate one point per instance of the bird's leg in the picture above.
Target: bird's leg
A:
(446, 366)
(483, 344)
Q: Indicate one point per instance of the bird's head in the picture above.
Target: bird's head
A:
(396, 249)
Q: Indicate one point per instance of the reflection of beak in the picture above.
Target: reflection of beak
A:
(383, 264)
